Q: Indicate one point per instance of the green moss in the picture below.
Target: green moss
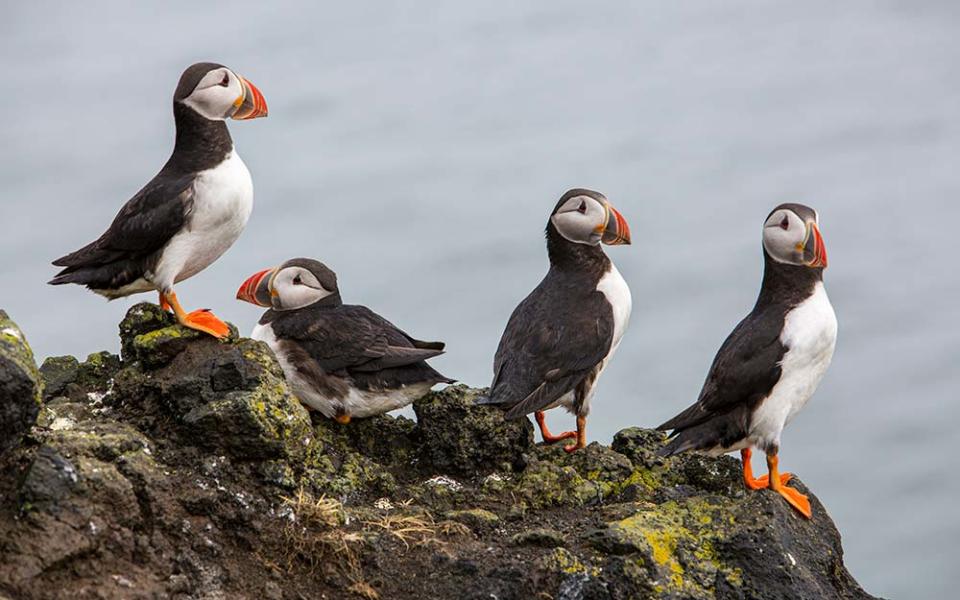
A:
(14, 347)
(560, 560)
(476, 518)
(545, 483)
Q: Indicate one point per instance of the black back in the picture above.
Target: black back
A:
(353, 342)
(747, 366)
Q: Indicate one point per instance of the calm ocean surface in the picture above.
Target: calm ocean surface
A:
(418, 150)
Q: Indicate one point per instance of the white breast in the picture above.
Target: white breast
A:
(810, 335)
(613, 286)
(222, 202)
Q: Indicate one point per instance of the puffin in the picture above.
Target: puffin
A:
(190, 213)
(772, 362)
(342, 360)
(563, 334)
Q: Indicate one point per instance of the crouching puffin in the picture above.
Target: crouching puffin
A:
(560, 338)
(343, 360)
(772, 362)
(190, 213)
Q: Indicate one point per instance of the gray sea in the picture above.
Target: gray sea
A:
(417, 149)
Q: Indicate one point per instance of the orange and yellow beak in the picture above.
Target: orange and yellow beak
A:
(814, 250)
(616, 231)
(250, 104)
(256, 289)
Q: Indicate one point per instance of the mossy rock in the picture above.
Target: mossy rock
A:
(477, 519)
(20, 385)
(58, 372)
(459, 437)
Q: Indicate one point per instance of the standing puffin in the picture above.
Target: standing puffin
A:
(190, 213)
(559, 338)
(343, 360)
(772, 362)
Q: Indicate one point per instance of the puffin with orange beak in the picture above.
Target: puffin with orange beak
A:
(190, 213)
(560, 338)
(772, 362)
(343, 360)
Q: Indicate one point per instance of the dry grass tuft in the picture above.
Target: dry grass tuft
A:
(406, 528)
(317, 512)
(453, 529)
(364, 590)
(317, 538)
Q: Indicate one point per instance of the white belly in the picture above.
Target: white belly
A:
(222, 202)
(810, 334)
(357, 403)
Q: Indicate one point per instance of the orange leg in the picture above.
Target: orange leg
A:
(548, 437)
(342, 419)
(201, 320)
(164, 305)
(581, 436)
(761, 482)
(792, 496)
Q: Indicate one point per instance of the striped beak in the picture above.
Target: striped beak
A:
(251, 104)
(814, 250)
(256, 289)
(616, 231)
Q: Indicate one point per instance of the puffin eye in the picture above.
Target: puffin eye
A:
(226, 80)
(785, 223)
(582, 209)
(297, 280)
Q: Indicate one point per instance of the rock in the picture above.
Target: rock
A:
(58, 372)
(20, 387)
(474, 518)
(462, 438)
(188, 469)
(542, 537)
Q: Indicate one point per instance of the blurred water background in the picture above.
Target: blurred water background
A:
(417, 149)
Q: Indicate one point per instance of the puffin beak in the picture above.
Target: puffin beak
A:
(814, 250)
(616, 231)
(251, 104)
(256, 289)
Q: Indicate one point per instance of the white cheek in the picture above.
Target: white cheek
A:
(780, 244)
(298, 296)
(213, 102)
(576, 227)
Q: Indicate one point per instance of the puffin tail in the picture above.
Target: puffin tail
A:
(676, 445)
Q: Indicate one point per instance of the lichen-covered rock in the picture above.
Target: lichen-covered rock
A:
(460, 437)
(188, 470)
(58, 372)
(20, 386)
(477, 519)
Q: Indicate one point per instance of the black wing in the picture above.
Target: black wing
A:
(357, 341)
(141, 229)
(554, 338)
(745, 369)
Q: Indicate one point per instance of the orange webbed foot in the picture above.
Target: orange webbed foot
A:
(796, 500)
(549, 438)
(763, 481)
(571, 448)
(205, 321)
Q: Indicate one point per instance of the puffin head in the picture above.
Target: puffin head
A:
(791, 235)
(587, 217)
(296, 283)
(217, 93)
